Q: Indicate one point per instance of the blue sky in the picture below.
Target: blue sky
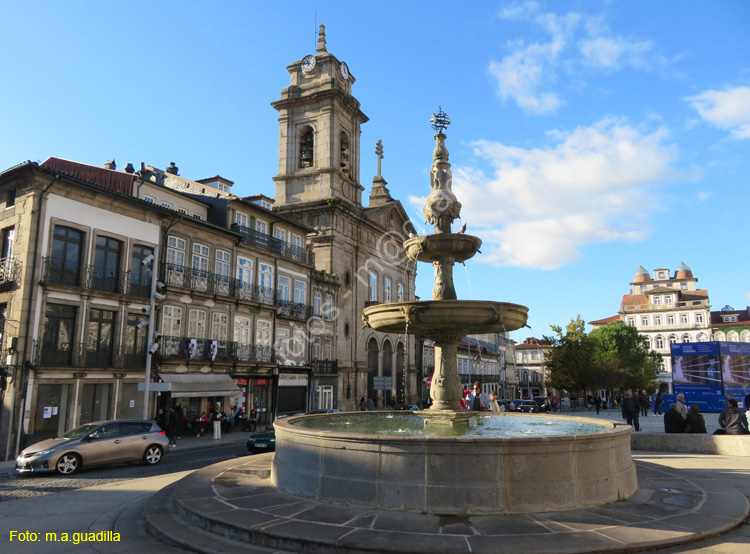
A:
(587, 138)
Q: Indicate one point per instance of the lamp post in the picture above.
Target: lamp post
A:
(152, 347)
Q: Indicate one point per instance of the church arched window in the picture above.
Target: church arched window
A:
(344, 155)
(306, 148)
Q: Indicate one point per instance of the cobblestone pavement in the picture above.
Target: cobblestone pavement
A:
(27, 486)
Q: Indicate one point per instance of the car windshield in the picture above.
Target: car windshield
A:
(78, 431)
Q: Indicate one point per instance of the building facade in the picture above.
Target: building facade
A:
(731, 325)
(531, 369)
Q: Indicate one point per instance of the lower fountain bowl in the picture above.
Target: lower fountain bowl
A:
(453, 475)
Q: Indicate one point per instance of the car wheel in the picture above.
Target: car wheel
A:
(68, 463)
(153, 455)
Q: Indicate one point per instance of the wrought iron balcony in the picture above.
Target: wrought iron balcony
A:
(287, 308)
(213, 283)
(287, 250)
(47, 354)
(92, 277)
(185, 348)
(325, 366)
(10, 270)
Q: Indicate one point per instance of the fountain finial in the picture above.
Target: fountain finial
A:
(440, 120)
(442, 206)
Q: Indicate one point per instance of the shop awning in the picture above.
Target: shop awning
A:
(183, 384)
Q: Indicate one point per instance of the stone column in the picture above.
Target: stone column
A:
(446, 390)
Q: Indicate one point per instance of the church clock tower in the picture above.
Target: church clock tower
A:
(319, 131)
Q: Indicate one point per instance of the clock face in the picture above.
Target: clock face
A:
(344, 70)
(308, 63)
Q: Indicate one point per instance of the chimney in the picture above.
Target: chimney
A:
(129, 168)
(172, 169)
(110, 164)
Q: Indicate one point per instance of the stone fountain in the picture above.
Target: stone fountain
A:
(446, 460)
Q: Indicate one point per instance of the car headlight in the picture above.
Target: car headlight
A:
(43, 452)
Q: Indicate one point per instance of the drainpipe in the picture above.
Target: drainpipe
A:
(21, 388)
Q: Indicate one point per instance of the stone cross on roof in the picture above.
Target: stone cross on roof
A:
(379, 152)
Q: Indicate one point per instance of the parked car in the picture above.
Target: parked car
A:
(265, 441)
(101, 442)
(326, 411)
(543, 404)
(527, 406)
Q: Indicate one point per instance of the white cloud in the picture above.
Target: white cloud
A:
(613, 53)
(728, 109)
(527, 74)
(541, 206)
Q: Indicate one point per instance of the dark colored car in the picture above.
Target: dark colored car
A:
(527, 406)
(264, 441)
(326, 411)
(101, 442)
(543, 404)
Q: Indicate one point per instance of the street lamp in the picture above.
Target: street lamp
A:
(157, 293)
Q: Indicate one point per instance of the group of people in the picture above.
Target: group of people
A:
(174, 421)
(733, 421)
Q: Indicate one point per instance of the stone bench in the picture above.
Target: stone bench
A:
(724, 445)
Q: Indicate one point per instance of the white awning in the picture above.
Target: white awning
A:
(199, 385)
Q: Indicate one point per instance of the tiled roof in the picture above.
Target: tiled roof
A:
(634, 299)
(605, 320)
(100, 176)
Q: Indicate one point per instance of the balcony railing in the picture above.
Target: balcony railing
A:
(287, 308)
(93, 278)
(286, 250)
(325, 366)
(185, 348)
(213, 283)
(88, 356)
(10, 269)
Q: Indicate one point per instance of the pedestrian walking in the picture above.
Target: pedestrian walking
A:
(658, 401)
(180, 418)
(172, 427)
(161, 419)
(645, 402)
(216, 418)
(597, 403)
(630, 410)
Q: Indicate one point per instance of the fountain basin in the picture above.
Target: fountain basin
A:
(441, 246)
(436, 317)
(453, 475)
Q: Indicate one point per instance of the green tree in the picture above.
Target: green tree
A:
(571, 360)
(624, 358)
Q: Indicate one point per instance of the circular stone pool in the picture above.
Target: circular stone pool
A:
(501, 464)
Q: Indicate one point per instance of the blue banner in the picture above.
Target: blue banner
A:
(735, 370)
(696, 363)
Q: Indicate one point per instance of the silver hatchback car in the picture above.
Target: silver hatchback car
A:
(100, 442)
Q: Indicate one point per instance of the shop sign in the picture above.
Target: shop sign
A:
(241, 381)
(261, 382)
(293, 380)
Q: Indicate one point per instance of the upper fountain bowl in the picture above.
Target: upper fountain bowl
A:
(440, 246)
(439, 317)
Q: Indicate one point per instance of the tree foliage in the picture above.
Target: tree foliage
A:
(614, 357)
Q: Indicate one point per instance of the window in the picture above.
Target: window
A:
(280, 234)
(67, 248)
(656, 300)
(400, 293)
(386, 290)
(317, 303)
(166, 205)
(285, 289)
(683, 319)
(282, 341)
(261, 226)
(106, 264)
(244, 277)
(242, 330)
(220, 326)
(685, 338)
(100, 338)
(265, 204)
(135, 341)
(196, 324)
(668, 300)
(631, 321)
(729, 318)
(648, 342)
(176, 251)
(306, 148)
(373, 290)
(328, 307)
(300, 292)
(200, 257)
(263, 333)
(699, 318)
(659, 342)
(662, 275)
(241, 219)
(171, 320)
(657, 320)
(223, 263)
(265, 279)
(297, 241)
(140, 279)
(149, 199)
(182, 211)
(59, 333)
(745, 337)
(684, 286)
(9, 239)
(670, 320)
(672, 339)
(199, 217)
(644, 322)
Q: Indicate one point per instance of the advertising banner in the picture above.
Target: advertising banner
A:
(735, 369)
(696, 373)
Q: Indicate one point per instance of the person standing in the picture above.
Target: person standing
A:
(477, 400)
(645, 402)
(658, 401)
(180, 416)
(673, 421)
(597, 403)
(370, 404)
(695, 422)
(172, 427)
(362, 404)
(630, 410)
(216, 418)
(254, 418)
(161, 419)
